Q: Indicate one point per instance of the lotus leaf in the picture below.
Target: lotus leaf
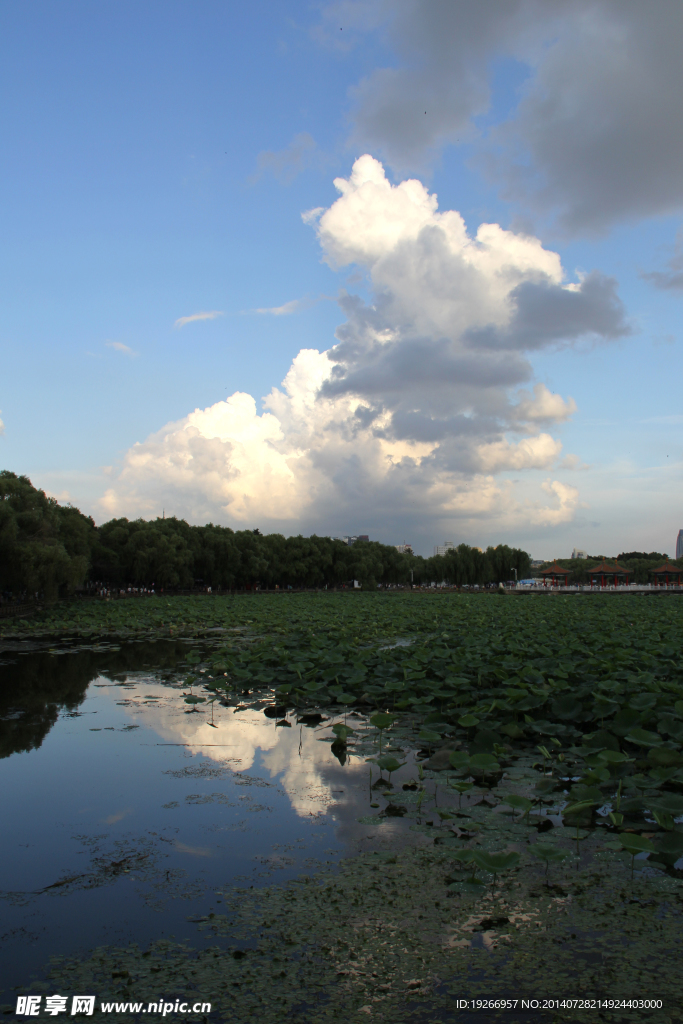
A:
(484, 742)
(580, 807)
(668, 803)
(468, 721)
(381, 720)
(670, 846)
(567, 708)
(643, 701)
(643, 737)
(512, 730)
(342, 731)
(484, 762)
(459, 759)
(388, 763)
(664, 757)
(518, 803)
(548, 853)
(625, 720)
(634, 843)
(464, 856)
(613, 756)
(495, 862)
(602, 739)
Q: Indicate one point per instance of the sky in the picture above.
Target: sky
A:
(410, 269)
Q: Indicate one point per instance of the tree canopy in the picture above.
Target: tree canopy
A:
(45, 547)
(53, 549)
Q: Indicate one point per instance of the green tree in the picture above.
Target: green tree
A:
(44, 547)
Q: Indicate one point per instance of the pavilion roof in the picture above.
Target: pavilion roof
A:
(555, 570)
(668, 567)
(610, 568)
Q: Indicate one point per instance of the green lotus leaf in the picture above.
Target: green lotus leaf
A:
(512, 730)
(548, 853)
(381, 720)
(669, 803)
(484, 762)
(518, 803)
(634, 843)
(464, 856)
(388, 763)
(644, 738)
(342, 731)
(567, 708)
(643, 701)
(613, 756)
(579, 808)
(468, 721)
(459, 759)
(495, 862)
(670, 844)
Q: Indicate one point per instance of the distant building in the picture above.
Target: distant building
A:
(441, 549)
(352, 540)
(679, 544)
(404, 549)
(537, 563)
(578, 553)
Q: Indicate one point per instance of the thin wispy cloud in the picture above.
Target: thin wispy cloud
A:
(293, 306)
(286, 164)
(286, 310)
(674, 419)
(118, 346)
(209, 315)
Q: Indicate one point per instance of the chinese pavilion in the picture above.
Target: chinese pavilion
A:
(607, 575)
(666, 574)
(555, 575)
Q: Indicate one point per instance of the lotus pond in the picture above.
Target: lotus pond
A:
(307, 807)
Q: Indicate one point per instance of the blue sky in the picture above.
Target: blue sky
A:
(156, 160)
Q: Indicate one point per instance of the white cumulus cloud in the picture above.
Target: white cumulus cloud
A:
(419, 406)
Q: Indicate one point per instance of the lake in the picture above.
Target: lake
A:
(125, 809)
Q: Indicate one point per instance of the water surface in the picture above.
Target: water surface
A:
(125, 810)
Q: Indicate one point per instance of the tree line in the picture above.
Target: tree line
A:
(53, 550)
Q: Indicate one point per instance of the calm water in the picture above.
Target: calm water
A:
(124, 811)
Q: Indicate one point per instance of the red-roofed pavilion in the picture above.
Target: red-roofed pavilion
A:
(609, 574)
(556, 575)
(667, 574)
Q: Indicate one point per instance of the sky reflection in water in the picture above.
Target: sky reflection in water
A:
(133, 810)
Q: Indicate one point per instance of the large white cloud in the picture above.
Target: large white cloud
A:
(417, 407)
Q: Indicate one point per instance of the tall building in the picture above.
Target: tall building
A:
(578, 553)
(441, 549)
(679, 544)
(404, 549)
